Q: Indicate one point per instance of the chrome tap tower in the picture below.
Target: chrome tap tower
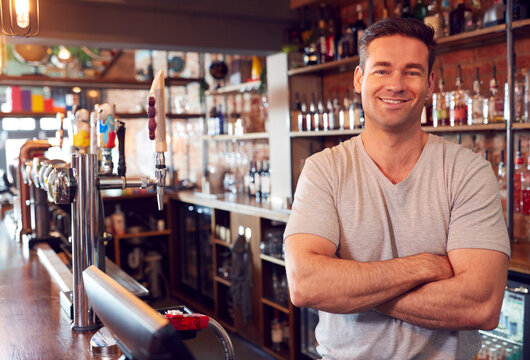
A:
(80, 185)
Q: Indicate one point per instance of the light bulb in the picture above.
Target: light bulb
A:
(22, 11)
(64, 54)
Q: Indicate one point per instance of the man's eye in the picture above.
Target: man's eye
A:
(381, 72)
(413, 73)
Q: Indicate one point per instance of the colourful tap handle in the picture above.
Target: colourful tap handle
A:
(107, 126)
(158, 93)
(81, 137)
(121, 148)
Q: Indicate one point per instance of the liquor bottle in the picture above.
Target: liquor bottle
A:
(338, 113)
(346, 46)
(257, 179)
(445, 13)
(331, 37)
(457, 106)
(351, 111)
(221, 121)
(435, 19)
(331, 113)
(358, 115)
(318, 118)
(477, 16)
(265, 180)
(501, 176)
(525, 184)
(495, 101)
(310, 114)
(348, 118)
(406, 10)
(520, 230)
(276, 332)
(247, 180)
(324, 115)
(213, 122)
(420, 10)
(252, 179)
(398, 7)
(518, 96)
(494, 15)
(297, 114)
(322, 43)
(440, 108)
(458, 18)
(526, 97)
(475, 104)
(384, 15)
(358, 28)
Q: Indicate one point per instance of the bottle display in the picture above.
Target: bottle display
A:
(276, 332)
(476, 105)
(358, 27)
(440, 104)
(495, 101)
(460, 18)
(458, 100)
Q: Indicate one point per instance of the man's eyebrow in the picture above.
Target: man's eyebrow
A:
(382, 63)
(415, 66)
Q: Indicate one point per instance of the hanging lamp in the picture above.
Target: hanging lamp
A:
(20, 17)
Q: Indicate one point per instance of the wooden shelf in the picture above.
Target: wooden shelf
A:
(40, 81)
(235, 89)
(295, 134)
(342, 65)
(142, 234)
(221, 243)
(465, 128)
(22, 114)
(185, 116)
(222, 281)
(249, 136)
(275, 305)
(272, 259)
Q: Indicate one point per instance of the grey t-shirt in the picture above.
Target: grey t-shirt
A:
(449, 200)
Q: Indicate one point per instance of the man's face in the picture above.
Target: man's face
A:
(394, 84)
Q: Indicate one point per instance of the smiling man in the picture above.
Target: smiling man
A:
(406, 251)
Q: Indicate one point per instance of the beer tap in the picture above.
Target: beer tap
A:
(107, 135)
(157, 131)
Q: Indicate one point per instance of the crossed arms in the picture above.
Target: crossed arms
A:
(463, 290)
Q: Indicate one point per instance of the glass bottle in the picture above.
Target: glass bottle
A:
(475, 104)
(501, 176)
(338, 112)
(495, 101)
(324, 115)
(526, 97)
(440, 108)
(518, 175)
(384, 14)
(252, 179)
(406, 10)
(420, 10)
(265, 180)
(301, 116)
(331, 35)
(518, 96)
(457, 106)
(318, 117)
(296, 114)
(348, 117)
(435, 19)
(458, 18)
(331, 113)
(322, 43)
(445, 14)
(276, 332)
(257, 178)
(310, 115)
(346, 47)
(358, 28)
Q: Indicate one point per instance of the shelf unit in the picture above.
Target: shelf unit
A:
(235, 89)
(143, 234)
(249, 136)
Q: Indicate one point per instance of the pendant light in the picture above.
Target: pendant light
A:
(20, 17)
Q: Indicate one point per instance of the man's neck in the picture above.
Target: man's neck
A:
(395, 153)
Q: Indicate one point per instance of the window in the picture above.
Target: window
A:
(14, 124)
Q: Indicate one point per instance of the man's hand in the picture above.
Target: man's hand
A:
(438, 265)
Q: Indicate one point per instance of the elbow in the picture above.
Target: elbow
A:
(486, 317)
(299, 296)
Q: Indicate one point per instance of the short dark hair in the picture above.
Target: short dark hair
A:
(407, 27)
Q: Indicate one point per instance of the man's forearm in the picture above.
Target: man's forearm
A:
(345, 286)
(469, 300)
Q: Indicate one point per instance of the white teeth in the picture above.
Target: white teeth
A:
(388, 101)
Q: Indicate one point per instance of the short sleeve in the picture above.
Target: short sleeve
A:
(314, 210)
(476, 215)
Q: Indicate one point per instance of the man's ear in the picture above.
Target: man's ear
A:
(357, 79)
(430, 85)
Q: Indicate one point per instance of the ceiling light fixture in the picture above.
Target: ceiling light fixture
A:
(20, 17)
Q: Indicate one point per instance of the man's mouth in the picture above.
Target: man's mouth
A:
(393, 101)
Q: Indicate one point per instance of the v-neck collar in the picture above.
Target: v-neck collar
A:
(379, 174)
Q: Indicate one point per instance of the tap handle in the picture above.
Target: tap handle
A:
(157, 94)
(121, 148)
(60, 132)
(107, 126)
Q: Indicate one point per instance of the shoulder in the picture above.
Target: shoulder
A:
(332, 157)
(457, 159)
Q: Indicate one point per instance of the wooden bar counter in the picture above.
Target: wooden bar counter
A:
(32, 323)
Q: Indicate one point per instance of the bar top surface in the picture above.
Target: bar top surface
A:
(32, 323)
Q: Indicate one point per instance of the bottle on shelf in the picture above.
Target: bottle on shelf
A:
(477, 16)
(384, 13)
(331, 113)
(346, 44)
(398, 7)
(526, 97)
(252, 179)
(440, 104)
(317, 116)
(494, 15)
(276, 332)
(458, 99)
(339, 112)
(310, 114)
(324, 115)
(476, 106)
(265, 176)
(331, 38)
(221, 121)
(359, 27)
(298, 113)
(420, 10)
(518, 96)
(525, 201)
(257, 179)
(459, 18)
(495, 101)
(322, 43)
(435, 19)
(501, 176)
(348, 111)
(406, 11)
(358, 112)
(445, 11)
(518, 228)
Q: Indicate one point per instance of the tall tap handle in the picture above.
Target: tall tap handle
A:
(107, 126)
(158, 94)
(121, 148)
(60, 132)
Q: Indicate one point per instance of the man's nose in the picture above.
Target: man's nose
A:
(396, 82)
